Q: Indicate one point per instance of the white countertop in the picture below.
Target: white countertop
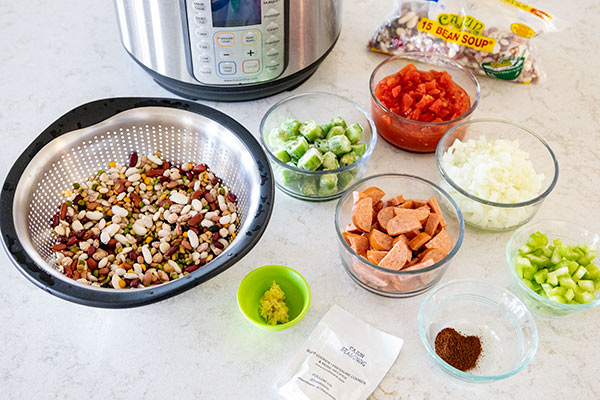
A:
(56, 55)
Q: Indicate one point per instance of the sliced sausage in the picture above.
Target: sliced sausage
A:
(419, 203)
(406, 204)
(352, 229)
(369, 275)
(374, 193)
(420, 265)
(384, 216)
(394, 201)
(402, 224)
(432, 223)
(357, 196)
(348, 235)
(376, 256)
(360, 244)
(441, 241)
(419, 241)
(435, 207)
(401, 237)
(379, 240)
(396, 257)
(362, 214)
(435, 255)
(420, 213)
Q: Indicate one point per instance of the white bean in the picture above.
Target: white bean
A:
(147, 255)
(193, 238)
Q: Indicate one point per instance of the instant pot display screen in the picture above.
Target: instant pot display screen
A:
(235, 12)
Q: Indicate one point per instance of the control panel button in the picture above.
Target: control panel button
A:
(202, 33)
(272, 53)
(203, 45)
(199, 5)
(251, 66)
(272, 41)
(200, 20)
(250, 38)
(205, 71)
(272, 13)
(204, 58)
(227, 54)
(225, 39)
(227, 68)
(250, 53)
(272, 27)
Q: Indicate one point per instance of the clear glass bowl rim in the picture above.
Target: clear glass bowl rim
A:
(424, 57)
(466, 375)
(535, 200)
(435, 266)
(363, 159)
(526, 290)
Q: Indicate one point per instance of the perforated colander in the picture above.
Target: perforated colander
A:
(85, 140)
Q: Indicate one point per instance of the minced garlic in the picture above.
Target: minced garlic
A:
(272, 306)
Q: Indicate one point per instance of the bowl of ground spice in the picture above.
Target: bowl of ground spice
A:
(477, 331)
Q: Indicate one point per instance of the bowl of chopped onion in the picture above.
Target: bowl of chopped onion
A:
(498, 172)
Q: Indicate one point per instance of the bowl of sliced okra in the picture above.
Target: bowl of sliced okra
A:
(318, 144)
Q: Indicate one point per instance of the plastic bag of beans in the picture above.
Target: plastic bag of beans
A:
(492, 37)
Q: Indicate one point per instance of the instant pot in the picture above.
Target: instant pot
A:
(229, 50)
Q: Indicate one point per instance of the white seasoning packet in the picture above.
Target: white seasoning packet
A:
(344, 358)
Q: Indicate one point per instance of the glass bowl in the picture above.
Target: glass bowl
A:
(388, 282)
(320, 107)
(489, 215)
(570, 234)
(412, 135)
(506, 328)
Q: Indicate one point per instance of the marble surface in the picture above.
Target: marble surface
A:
(57, 55)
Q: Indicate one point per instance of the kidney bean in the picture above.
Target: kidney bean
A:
(77, 198)
(202, 261)
(133, 159)
(155, 172)
(215, 180)
(84, 220)
(112, 243)
(76, 275)
(61, 239)
(136, 199)
(189, 175)
(92, 264)
(133, 256)
(59, 247)
(55, 220)
(171, 251)
(67, 253)
(88, 235)
(63, 211)
(187, 245)
(103, 271)
(215, 236)
(196, 231)
(166, 165)
(231, 197)
(199, 168)
(79, 235)
(172, 184)
(212, 206)
(218, 245)
(68, 219)
(126, 266)
(163, 178)
(209, 197)
(90, 251)
(134, 282)
(197, 194)
(120, 186)
(92, 205)
(195, 220)
(72, 240)
(191, 268)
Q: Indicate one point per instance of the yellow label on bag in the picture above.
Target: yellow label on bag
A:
(527, 8)
(522, 30)
(462, 38)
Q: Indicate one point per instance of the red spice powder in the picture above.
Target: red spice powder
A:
(457, 350)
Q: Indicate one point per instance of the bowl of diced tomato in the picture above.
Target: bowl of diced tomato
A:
(416, 98)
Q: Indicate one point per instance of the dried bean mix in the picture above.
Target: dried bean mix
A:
(143, 224)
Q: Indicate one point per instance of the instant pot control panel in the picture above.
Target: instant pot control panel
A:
(236, 41)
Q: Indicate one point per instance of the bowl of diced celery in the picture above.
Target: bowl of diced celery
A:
(318, 144)
(555, 265)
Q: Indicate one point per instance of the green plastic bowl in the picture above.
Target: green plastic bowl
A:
(257, 282)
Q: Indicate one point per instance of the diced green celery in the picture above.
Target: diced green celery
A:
(354, 133)
(277, 138)
(297, 147)
(328, 181)
(568, 253)
(348, 159)
(587, 297)
(330, 161)
(537, 239)
(566, 282)
(593, 272)
(540, 261)
(311, 160)
(572, 266)
(311, 131)
(587, 285)
(569, 295)
(283, 155)
(558, 299)
(581, 271)
(339, 145)
(309, 187)
(557, 242)
(335, 131)
(529, 272)
(326, 127)
(359, 149)
(291, 126)
(556, 257)
(338, 121)
(541, 276)
(322, 145)
(547, 251)
(552, 279)
(560, 272)
(547, 288)
(525, 249)
(558, 291)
